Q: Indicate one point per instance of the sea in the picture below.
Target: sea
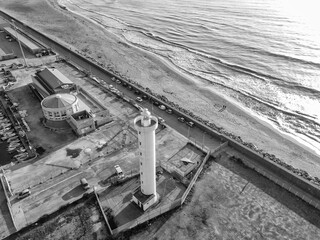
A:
(264, 54)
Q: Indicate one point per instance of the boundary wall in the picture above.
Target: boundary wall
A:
(8, 200)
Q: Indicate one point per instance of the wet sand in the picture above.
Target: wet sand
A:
(201, 98)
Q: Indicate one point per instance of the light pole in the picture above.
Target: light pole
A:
(24, 58)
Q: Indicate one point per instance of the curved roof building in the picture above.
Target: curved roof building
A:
(60, 106)
(51, 81)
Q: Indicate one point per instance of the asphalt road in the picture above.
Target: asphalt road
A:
(195, 134)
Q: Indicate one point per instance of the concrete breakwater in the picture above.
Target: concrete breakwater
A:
(265, 159)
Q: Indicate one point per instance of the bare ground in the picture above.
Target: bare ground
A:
(231, 201)
(83, 221)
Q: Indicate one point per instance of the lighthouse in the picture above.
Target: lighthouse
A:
(146, 125)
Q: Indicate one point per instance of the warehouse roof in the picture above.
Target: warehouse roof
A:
(30, 44)
(54, 78)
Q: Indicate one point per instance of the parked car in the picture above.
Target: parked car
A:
(113, 79)
(156, 103)
(25, 193)
(139, 99)
(119, 171)
(169, 110)
(124, 84)
(181, 119)
(137, 92)
(8, 36)
(162, 107)
(130, 87)
(190, 124)
(145, 97)
(84, 183)
(161, 120)
(118, 81)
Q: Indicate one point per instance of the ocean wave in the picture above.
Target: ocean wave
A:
(238, 68)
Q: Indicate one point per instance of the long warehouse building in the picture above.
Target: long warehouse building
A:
(27, 43)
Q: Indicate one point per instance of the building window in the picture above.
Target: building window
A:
(141, 163)
(140, 153)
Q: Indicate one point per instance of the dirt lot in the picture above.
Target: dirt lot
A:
(231, 201)
(83, 221)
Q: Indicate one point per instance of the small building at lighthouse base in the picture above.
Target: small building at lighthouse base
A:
(142, 200)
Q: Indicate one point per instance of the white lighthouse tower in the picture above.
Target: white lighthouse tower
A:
(146, 125)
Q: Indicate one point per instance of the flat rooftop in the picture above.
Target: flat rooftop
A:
(30, 44)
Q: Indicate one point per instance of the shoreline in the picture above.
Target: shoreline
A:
(197, 83)
(150, 71)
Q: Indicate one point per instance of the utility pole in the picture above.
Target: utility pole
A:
(24, 58)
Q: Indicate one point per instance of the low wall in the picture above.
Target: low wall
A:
(103, 214)
(92, 99)
(8, 200)
(282, 173)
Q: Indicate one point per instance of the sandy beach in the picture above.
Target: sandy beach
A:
(90, 38)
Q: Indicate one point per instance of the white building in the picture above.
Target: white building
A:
(146, 125)
(59, 107)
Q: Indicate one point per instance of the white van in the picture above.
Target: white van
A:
(119, 171)
(84, 183)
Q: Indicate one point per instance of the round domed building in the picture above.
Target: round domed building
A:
(59, 107)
